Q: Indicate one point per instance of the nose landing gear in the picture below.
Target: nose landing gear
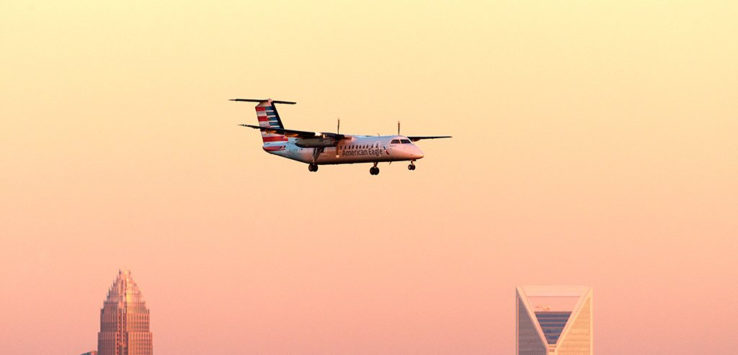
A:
(313, 167)
(411, 166)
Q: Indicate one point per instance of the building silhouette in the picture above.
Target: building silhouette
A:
(553, 320)
(124, 320)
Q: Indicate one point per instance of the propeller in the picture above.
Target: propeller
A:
(398, 128)
(338, 131)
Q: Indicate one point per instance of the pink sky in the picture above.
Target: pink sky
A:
(594, 144)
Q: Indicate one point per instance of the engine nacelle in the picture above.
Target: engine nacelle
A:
(317, 142)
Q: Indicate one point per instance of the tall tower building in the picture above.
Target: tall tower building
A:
(124, 320)
(553, 320)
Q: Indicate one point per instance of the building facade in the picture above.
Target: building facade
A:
(553, 320)
(124, 320)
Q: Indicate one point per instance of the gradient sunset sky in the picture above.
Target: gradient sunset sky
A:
(595, 143)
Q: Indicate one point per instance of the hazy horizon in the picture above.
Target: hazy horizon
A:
(594, 144)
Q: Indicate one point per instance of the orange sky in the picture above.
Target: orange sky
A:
(593, 144)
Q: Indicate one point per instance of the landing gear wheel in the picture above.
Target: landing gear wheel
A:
(313, 167)
(411, 166)
(374, 170)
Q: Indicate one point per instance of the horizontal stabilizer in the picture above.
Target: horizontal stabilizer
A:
(265, 100)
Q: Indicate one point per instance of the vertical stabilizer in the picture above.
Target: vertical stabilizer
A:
(268, 117)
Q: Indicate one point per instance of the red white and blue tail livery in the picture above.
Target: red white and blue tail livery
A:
(319, 148)
(268, 117)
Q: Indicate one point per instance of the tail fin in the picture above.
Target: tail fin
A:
(268, 117)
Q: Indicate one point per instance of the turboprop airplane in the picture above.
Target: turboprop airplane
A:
(319, 148)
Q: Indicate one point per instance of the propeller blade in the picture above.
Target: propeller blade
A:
(338, 131)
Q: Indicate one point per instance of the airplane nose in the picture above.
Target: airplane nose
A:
(417, 153)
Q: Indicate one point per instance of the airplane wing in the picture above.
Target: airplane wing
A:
(286, 132)
(417, 138)
(305, 138)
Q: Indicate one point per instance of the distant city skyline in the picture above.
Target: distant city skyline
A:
(124, 320)
(553, 319)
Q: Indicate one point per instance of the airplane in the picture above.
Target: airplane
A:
(322, 148)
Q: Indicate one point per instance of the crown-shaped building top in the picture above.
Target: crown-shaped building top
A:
(124, 320)
(125, 290)
(554, 319)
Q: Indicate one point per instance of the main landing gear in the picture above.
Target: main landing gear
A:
(411, 166)
(374, 170)
(313, 167)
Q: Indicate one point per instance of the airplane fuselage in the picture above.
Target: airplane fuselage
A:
(353, 149)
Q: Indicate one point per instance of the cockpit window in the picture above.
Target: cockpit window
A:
(395, 141)
(406, 141)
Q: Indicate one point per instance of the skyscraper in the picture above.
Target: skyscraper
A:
(124, 320)
(553, 320)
